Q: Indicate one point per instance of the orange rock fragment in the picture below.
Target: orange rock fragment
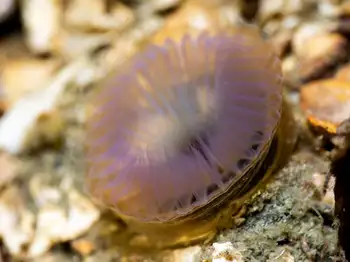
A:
(343, 73)
(83, 246)
(326, 103)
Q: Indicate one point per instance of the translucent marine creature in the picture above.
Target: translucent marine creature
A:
(185, 132)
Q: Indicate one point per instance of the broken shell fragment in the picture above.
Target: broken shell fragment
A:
(34, 119)
(40, 37)
(183, 134)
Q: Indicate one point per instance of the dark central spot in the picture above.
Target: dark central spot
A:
(197, 144)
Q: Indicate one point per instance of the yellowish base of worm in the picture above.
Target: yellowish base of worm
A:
(202, 225)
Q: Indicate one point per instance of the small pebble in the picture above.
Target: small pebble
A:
(326, 103)
(225, 252)
(343, 73)
(83, 246)
(39, 71)
(319, 53)
(194, 18)
(40, 36)
(189, 254)
(92, 15)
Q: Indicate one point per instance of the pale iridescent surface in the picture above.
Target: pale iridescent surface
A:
(178, 112)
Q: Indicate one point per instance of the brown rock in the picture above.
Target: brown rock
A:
(92, 15)
(83, 246)
(48, 131)
(155, 6)
(269, 9)
(195, 17)
(281, 42)
(319, 53)
(326, 103)
(21, 76)
(190, 19)
(343, 74)
(290, 68)
(344, 9)
(307, 31)
(13, 47)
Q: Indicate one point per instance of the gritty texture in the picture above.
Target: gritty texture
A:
(289, 221)
(287, 216)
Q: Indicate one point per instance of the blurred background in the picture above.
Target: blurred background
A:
(53, 53)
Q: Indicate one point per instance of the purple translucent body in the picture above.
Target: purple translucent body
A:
(177, 113)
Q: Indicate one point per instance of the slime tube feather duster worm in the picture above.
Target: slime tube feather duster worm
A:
(185, 128)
